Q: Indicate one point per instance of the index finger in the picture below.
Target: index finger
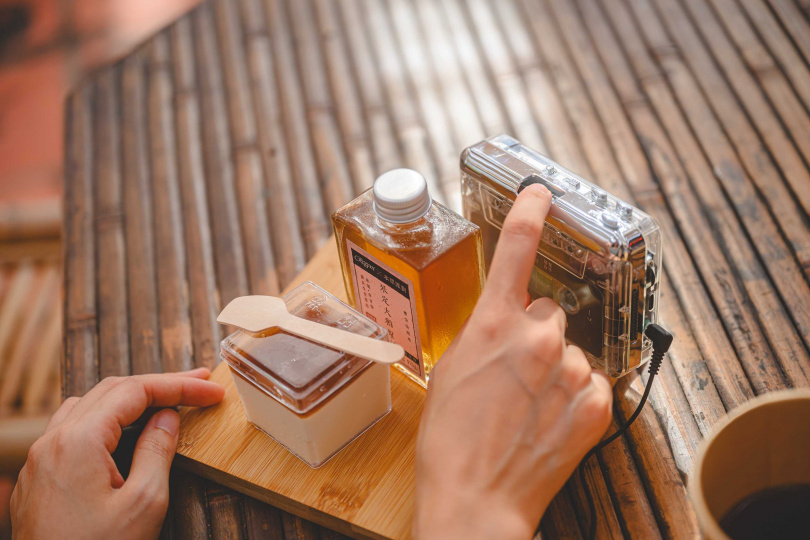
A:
(89, 401)
(511, 267)
(125, 403)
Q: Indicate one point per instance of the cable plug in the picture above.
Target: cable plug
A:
(661, 340)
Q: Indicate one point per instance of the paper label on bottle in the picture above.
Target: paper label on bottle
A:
(387, 298)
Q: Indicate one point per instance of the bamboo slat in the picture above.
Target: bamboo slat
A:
(141, 272)
(45, 293)
(228, 242)
(113, 327)
(773, 84)
(790, 351)
(326, 139)
(385, 148)
(544, 97)
(587, 121)
(18, 290)
(346, 101)
(557, 522)
(16, 436)
(262, 520)
(191, 517)
(445, 62)
(311, 203)
(421, 77)
(636, 517)
(45, 250)
(607, 522)
(249, 172)
(296, 528)
(226, 511)
(43, 366)
(204, 300)
(281, 207)
(170, 254)
(795, 23)
(775, 42)
(489, 107)
(656, 465)
(81, 354)
(505, 74)
(751, 151)
(411, 134)
(692, 224)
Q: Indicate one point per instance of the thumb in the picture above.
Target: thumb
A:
(148, 480)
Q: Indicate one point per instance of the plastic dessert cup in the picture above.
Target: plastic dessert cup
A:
(311, 399)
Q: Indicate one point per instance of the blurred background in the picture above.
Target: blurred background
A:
(46, 46)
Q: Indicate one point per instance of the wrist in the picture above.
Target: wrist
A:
(460, 516)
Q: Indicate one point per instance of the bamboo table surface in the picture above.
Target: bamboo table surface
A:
(204, 166)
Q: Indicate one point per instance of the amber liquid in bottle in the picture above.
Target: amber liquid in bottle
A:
(437, 257)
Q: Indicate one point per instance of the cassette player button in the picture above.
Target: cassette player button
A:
(600, 197)
(535, 179)
(610, 220)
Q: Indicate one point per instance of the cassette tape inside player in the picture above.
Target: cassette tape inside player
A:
(600, 258)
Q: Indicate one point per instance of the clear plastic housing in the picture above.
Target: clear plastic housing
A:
(600, 258)
(312, 399)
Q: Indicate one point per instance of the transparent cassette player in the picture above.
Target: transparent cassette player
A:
(600, 258)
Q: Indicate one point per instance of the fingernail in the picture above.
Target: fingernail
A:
(168, 421)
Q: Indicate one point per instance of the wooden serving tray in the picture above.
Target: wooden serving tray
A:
(365, 491)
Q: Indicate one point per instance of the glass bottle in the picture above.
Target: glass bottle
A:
(411, 265)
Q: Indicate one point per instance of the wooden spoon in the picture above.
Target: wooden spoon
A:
(258, 313)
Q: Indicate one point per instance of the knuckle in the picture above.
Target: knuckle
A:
(152, 498)
(60, 442)
(14, 500)
(547, 303)
(130, 382)
(549, 341)
(159, 501)
(600, 408)
(71, 401)
(154, 446)
(537, 342)
(578, 371)
(545, 347)
(489, 325)
(132, 386)
(34, 453)
(110, 381)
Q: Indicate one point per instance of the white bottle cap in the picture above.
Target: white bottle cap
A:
(401, 196)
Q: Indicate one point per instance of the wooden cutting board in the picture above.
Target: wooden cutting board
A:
(365, 491)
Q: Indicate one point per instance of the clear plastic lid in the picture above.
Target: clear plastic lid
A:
(297, 372)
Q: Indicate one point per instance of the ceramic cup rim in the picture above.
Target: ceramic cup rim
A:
(711, 528)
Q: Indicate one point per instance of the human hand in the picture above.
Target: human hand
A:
(511, 409)
(70, 486)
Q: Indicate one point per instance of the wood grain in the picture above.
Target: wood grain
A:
(366, 489)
